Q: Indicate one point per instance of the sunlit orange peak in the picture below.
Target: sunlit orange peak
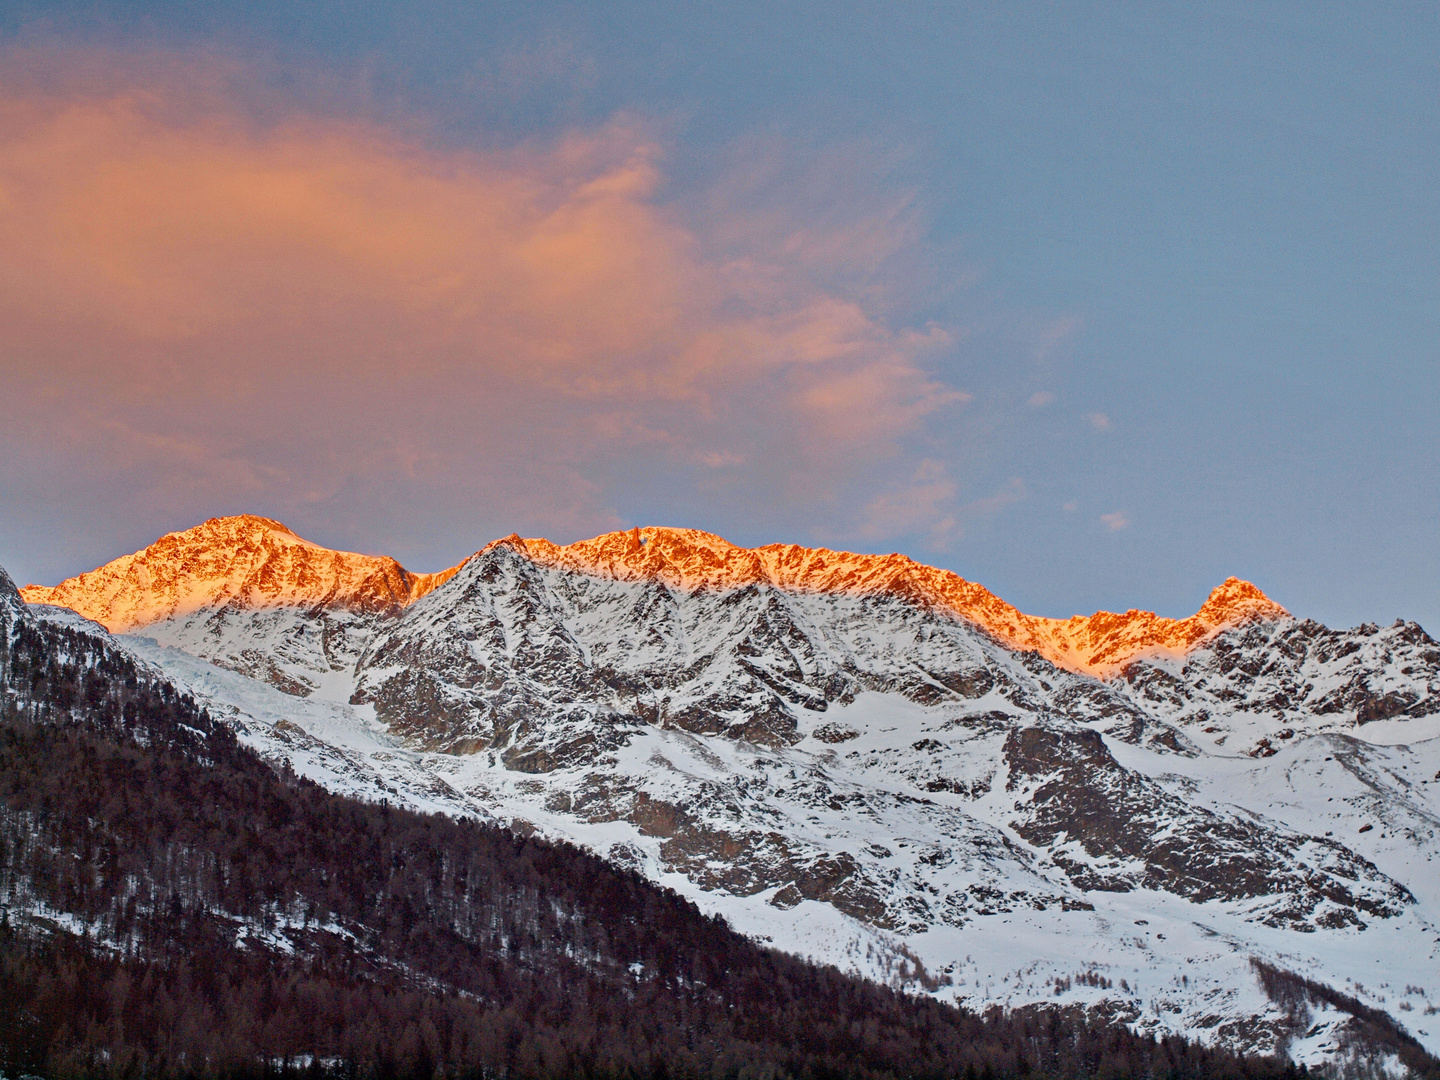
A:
(1099, 644)
(243, 562)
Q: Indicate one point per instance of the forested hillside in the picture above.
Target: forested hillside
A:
(173, 906)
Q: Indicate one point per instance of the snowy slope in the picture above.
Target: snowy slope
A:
(849, 756)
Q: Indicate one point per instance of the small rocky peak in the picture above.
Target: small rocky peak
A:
(238, 532)
(1236, 601)
(684, 545)
(515, 542)
(240, 524)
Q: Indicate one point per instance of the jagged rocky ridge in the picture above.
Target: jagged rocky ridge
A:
(856, 754)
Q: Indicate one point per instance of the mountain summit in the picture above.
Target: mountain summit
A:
(242, 562)
(249, 562)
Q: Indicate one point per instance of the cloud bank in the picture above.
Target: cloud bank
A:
(206, 306)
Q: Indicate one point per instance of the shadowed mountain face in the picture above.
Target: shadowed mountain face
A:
(852, 754)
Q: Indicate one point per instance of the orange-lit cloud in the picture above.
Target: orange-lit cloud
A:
(200, 295)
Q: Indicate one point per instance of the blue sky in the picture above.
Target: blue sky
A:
(1132, 296)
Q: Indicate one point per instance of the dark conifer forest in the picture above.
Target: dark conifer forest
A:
(175, 906)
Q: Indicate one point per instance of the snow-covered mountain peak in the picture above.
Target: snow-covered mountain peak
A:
(241, 562)
(1100, 644)
(1237, 602)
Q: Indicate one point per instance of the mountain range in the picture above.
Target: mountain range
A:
(174, 906)
(864, 760)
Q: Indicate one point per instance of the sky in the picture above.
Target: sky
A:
(1094, 303)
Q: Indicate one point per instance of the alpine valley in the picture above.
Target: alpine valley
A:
(1225, 826)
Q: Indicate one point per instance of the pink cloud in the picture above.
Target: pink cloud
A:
(722, 459)
(929, 505)
(202, 295)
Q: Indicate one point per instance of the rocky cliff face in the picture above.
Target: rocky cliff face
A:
(11, 602)
(859, 757)
(1270, 679)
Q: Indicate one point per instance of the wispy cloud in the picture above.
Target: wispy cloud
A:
(1057, 333)
(1098, 420)
(332, 308)
(1116, 520)
(929, 505)
(926, 503)
(721, 459)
